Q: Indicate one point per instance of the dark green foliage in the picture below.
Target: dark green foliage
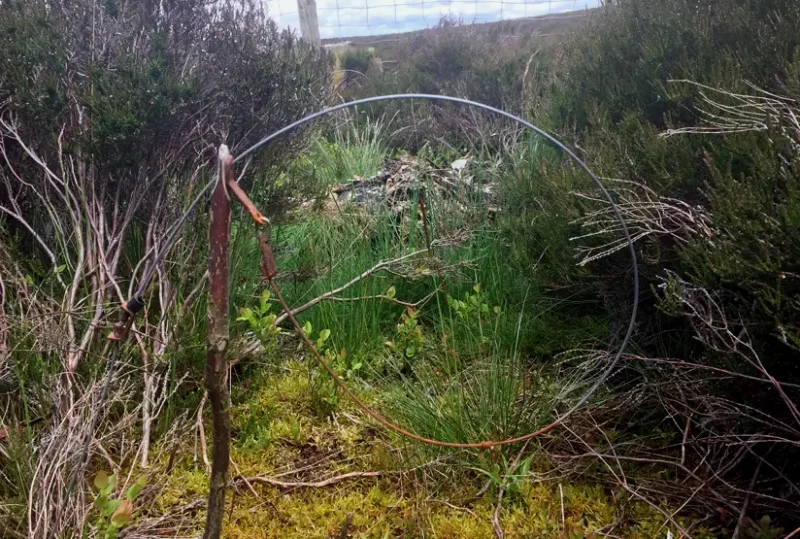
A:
(617, 90)
(125, 93)
(129, 86)
(754, 196)
(624, 60)
(498, 67)
(358, 60)
(615, 96)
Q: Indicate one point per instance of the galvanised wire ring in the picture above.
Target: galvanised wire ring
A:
(521, 122)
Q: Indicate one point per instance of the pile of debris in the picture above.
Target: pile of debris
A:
(400, 179)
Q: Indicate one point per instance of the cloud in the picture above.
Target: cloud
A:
(350, 18)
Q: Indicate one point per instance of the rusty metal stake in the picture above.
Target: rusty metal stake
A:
(218, 333)
(216, 357)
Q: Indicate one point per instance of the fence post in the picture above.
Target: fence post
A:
(309, 23)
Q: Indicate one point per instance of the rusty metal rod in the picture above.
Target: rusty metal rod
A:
(218, 334)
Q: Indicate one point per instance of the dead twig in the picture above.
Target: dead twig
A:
(345, 527)
(496, 524)
(454, 507)
(381, 266)
(303, 484)
(646, 214)
(743, 513)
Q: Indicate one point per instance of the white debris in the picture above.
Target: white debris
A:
(460, 164)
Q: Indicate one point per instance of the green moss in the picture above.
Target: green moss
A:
(393, 505)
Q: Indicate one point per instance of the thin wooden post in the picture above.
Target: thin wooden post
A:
(309, 23)
(216, 357)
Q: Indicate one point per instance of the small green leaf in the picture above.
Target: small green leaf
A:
(477, 288)
(110, 486)
(496, 309)
(493, 477)
(101, 501)
(110, 507)
(61, 268)
(136, 488)
(265, 295)
(245, 314)
(307, 328)
(101, 480)
(410, 350)
(324, 335)
(391, 292)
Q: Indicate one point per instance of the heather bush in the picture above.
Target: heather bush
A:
(686, 109)
(111, 114)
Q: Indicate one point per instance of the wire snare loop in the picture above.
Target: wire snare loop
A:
(269, 271)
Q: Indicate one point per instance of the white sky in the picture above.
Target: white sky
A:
(349, 18)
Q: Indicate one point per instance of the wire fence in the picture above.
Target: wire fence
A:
(352, 18)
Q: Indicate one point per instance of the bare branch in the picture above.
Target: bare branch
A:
(646, 214)
(381, 266)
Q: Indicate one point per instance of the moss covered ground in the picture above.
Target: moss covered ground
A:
(280, 434)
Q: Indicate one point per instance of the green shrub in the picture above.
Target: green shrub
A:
(137, 105)
(624, 59)
(111, 115)
(720, 295)
(359, 60)
(615, 96)
(499, 68)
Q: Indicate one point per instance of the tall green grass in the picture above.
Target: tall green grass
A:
(471, 363)
(351, 152)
